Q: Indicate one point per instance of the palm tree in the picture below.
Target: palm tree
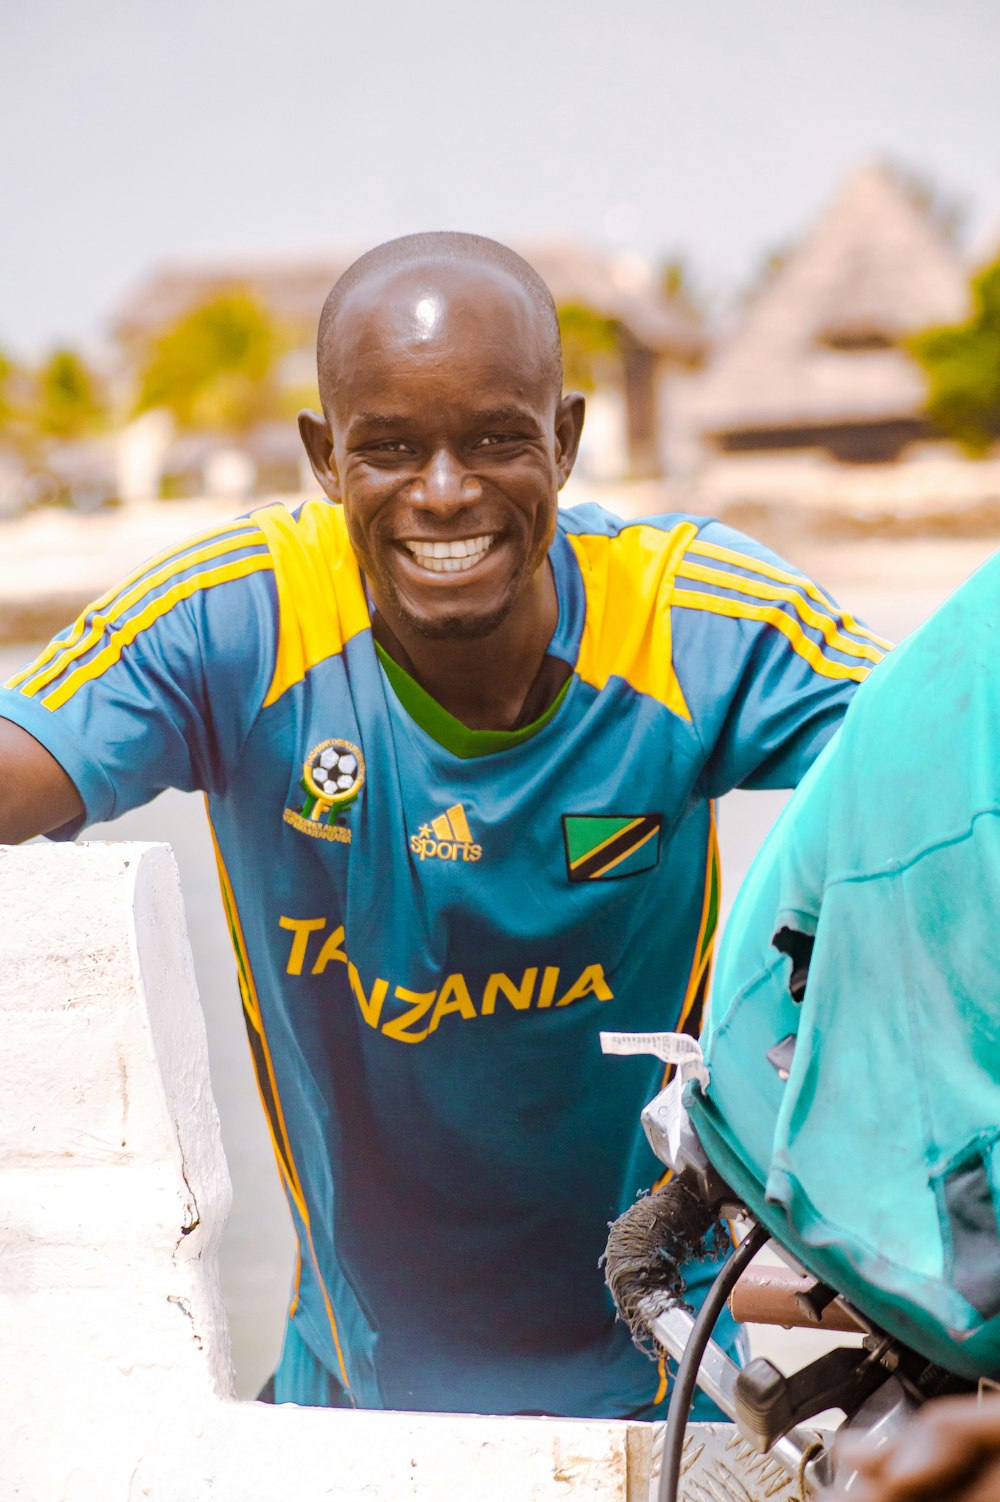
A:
(215, 368)
(69, 402)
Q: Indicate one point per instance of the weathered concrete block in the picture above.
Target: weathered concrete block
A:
(116, 1381)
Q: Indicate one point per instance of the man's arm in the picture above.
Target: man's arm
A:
(950, 1452)
(156, 685)
(36, 795)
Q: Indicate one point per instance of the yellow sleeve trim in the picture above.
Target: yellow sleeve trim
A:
(146, 618)
(781, 620)
(629, 584)
(321, 597)
(818, 620)
(797, 581)
(79, 641)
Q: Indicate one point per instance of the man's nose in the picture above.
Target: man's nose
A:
(444, 483)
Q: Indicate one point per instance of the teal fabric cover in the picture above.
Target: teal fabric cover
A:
(878, 1161)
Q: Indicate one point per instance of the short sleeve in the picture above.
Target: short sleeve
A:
(767, 661)
(158, 683)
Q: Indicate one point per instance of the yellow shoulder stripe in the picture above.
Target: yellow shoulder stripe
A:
(321, 597)
(82, 639)
(761, 591)
(629, 584)
(172, 560)
(797, 581)
(780, 619)
(146, 618)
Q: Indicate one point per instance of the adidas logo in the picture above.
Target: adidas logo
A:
(446, 838)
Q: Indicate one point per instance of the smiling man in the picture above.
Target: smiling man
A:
(460, 750)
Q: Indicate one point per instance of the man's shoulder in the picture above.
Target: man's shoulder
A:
(589, 519)
(312, 524)
(320, 592)
(674, 548)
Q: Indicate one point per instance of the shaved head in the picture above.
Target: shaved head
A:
(436, 252)
(445, 425)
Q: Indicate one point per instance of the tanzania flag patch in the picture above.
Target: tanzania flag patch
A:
(608, 845)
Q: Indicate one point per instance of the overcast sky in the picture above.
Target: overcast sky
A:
(138, 132)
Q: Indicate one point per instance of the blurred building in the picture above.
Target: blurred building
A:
(809, 401)
(654, 336)
(816, 371)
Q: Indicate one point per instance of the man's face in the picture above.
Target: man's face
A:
(450, 443)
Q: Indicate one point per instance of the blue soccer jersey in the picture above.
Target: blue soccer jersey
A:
(433, 925)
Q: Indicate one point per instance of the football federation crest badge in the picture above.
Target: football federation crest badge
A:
(333, 775)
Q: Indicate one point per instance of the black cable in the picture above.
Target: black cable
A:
(687, 1371)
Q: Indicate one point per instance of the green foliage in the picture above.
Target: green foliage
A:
(677, 284)
(215, 369)
(7, 398)
(291, 400)
(589, 341)
(69, 403)
(962, 366)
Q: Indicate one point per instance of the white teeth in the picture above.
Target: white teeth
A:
(449, 557)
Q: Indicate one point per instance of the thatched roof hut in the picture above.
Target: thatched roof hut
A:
(816, 362)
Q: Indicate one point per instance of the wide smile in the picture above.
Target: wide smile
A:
(457, 556)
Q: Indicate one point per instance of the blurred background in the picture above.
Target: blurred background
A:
(772, 231)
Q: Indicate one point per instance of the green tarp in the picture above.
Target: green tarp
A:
(877, 1160)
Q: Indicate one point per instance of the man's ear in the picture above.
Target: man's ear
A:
(569, 426)
(314, 431)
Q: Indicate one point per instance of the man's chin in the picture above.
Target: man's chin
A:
(444, 615)
(454, 626)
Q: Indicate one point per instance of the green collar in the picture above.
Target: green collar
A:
(444, 728)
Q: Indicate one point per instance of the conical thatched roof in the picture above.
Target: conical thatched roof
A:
(618, 287)
(816, 346)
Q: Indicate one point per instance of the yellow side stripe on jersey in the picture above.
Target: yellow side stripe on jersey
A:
(661, 1365)
(701, 966)
(690, 599)
(251, 1006)
(297, 1284)
(703, 574)
(797, 581)
(282, 1152)
(157, 608)
(704, 948)
(160, 561)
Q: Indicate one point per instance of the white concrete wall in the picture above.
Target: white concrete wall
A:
(115, 1378)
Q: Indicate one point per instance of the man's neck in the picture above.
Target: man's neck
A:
(483, 682)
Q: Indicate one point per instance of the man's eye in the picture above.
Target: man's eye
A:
(390, 446)
(494, 440)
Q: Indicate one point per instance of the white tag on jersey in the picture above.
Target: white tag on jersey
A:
(673, 1048)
